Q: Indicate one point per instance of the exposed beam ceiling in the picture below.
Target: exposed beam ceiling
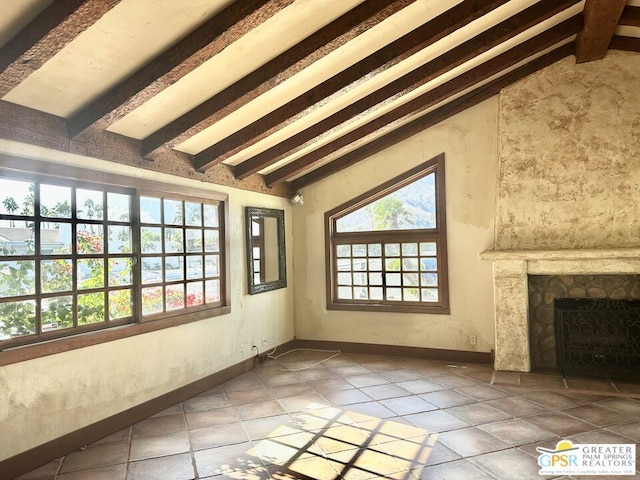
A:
(273, 95)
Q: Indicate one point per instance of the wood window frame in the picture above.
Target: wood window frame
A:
(79, 337)
(333, 238)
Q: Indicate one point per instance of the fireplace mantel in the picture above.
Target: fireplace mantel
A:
(511, 297)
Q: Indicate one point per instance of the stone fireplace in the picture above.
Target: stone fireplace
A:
(511, 271)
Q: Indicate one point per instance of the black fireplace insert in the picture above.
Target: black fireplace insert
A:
(598, 337)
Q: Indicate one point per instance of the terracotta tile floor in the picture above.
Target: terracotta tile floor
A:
(360, 417)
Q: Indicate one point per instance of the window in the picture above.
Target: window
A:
(386, 250)
(78, 256)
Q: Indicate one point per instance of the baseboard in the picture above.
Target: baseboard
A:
(24, 462)
(398, 350)
(36, 457)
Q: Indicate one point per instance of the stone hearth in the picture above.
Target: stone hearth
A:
(511, 270)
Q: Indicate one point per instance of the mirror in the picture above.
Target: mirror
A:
(266, 253)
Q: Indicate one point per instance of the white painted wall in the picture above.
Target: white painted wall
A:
(46, 398)
(469, 141)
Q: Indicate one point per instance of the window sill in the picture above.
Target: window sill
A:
(65, 344)
(434, 310)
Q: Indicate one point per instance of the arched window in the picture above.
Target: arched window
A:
(387, 249)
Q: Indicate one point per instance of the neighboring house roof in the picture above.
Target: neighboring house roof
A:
(17, 234)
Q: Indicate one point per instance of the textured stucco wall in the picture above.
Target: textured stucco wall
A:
(469, 143)
(569, 152)
(46, 398)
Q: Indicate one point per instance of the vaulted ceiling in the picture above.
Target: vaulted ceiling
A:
(273, 95)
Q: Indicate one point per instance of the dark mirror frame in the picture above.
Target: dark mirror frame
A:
(281, 282)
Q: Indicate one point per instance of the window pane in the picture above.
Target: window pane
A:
(409, 249)
(194, 240)
(392, 264)
(428, 248)
(359, 250)
(411, 294)
(392, 249)
(120, 271)
(410, 264)
(344, 279)
(210, 215)
(150, 211)
(376, 293)
(212, 265)
(89, 238)
(15, 238)
(211, 241)
(375, 250)
(375, 264)
(394, 294)
(16, 198)
(393, 279)
(212, 291)
(359, 264)
(17, 278)
(118, 207)
(152, 300)
(344, 250)
(359, 278)
(56, 275)
(360, 293)
(55, 201)
(428, 264)
(429, 295)
(410, 279)
(55, 239)
(120, 304)
(345, 293)
(90, 273)
(174, 268)
(173, 240)
(343, 264)
(17, 319)
(194, 266)
(56, 313)
(194, 294)
(89, 204)
(429, 279)
(151, 239)
(119, 239)
(91, 308)
(172, 212)
(193, 214)
(175, 296)
(375, 279)
(151, 270)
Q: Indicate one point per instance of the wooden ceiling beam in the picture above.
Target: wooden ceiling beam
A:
(601, 19)
(630, 16)
(431, 119)
(401, 115)
(53, 29)
(630, 44)
(348, 79)
(171, 65)
(404, 85)
(284, 66)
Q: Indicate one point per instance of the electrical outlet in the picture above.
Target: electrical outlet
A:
(473, 340)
